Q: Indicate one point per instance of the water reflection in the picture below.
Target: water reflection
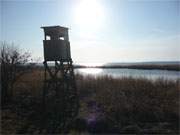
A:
(91, 71)
(150, 74)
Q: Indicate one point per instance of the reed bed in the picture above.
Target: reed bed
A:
(107, 105)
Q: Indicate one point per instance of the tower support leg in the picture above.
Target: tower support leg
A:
(60, 98)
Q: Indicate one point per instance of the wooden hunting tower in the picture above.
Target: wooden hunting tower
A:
(59, 84)
(56, 43)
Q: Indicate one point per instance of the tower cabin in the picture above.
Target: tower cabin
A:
(56, 44)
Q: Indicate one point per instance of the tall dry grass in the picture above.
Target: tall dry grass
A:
(108, 105)
(137, 102)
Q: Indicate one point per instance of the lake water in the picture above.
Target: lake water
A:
(135, 73)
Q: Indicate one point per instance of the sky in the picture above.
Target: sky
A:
(100, 31)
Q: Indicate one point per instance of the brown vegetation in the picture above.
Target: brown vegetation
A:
(108, 105)
(12, 61)
(134, 105)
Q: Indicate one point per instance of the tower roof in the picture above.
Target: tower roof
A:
(57, 27)
(51, 30)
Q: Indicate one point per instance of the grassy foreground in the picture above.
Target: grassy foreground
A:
(107, 105)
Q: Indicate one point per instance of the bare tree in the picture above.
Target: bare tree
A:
(12, 60)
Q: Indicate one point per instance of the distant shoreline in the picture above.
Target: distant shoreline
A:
(169, 66)
(140, 67)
